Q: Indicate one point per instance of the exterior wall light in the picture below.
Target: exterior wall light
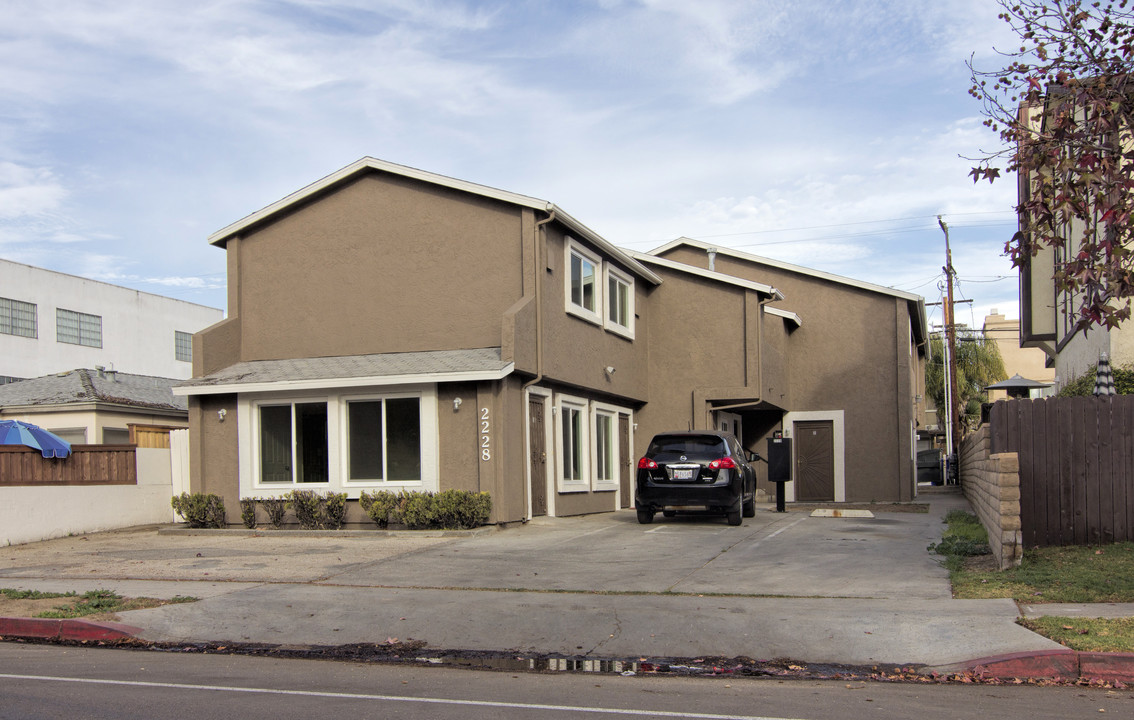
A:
(456, 404)
(221, 413)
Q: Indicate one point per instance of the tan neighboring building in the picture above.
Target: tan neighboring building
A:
(1027, 362)
(390, 328)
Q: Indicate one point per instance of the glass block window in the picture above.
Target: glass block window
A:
(78, 328)
(183, 345)
(18, 318)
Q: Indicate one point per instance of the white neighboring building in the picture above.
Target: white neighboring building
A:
(51, 322)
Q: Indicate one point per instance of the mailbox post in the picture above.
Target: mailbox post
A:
(779, 467)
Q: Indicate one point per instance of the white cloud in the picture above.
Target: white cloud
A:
(27, 191)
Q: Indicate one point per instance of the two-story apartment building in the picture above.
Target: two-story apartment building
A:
(390, 328)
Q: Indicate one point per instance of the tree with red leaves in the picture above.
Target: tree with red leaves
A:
(1063, 106)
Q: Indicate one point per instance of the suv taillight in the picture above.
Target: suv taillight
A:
(647, 464)
(726, 462)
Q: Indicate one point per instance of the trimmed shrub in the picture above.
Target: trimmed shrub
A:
(378, 505)
(248, 512)
(461, 509)
(416, 510)
(316, 511)
(451, 510)
(200, 510)
(276, 508)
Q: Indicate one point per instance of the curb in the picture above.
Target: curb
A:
(1062, 665)
(70, 629)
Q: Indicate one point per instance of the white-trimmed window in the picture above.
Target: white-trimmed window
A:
(572, 444)
(619, 302)
(18, 318)
(584, 283)
(292, 443)
(342, 441)
(383, 439)
(183, 346)
(606, 450)
(76, 328)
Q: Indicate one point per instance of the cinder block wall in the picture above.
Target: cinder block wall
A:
(992, 485)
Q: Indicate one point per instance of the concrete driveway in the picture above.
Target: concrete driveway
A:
(835, 590)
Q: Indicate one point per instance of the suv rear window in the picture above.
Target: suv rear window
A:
(671, 447)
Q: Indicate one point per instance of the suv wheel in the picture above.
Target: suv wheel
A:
(646, 516)
(733, 517)
(749, 507)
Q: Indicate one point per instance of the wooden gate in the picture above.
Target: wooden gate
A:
(1076, 467)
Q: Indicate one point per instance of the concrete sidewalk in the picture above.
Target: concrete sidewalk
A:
(850, 591)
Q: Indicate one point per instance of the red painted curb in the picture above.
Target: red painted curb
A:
(72, 629)
(30, 627)
(1057, 665)
(1051, 665)
(1107, 666)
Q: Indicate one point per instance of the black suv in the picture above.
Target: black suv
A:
(700, 470)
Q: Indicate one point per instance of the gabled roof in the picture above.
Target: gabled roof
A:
(83, 387)
(767, 290)
(920, 327)
(369, 164)
(352, 371)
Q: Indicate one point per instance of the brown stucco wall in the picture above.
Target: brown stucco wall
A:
(382, 264)
(213, 459)
(576, 351)
(851, 354)
(457, 430)
(700, 344)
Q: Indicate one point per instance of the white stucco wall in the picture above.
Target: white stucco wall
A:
(137, 327)
(30, 514)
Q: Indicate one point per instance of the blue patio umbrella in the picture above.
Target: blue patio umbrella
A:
(16, 432)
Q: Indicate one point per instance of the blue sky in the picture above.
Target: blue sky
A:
(826, 134)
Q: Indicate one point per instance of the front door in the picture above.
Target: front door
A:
(814, 461)
(625, 462)
(537, 460)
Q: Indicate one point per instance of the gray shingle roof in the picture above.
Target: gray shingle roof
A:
(87, 386)
(378, 367)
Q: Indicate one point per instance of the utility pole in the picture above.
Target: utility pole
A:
(954, 435)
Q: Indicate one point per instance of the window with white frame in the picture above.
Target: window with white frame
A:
(619, 302)
(18, 318)
(293, 443)
(183, 346)
(348, 441)
(384, 439)
(584, 286)
(605, 449)
(76, 328)
(572, 445)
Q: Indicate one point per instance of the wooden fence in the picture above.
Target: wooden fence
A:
(1076, 460)
(87, 465)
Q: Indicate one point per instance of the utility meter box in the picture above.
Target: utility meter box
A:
(779, 459)
(779, 468)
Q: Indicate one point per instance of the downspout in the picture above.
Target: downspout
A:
(539, 271)
(712, 258)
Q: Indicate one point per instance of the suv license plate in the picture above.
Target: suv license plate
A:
(682, 474)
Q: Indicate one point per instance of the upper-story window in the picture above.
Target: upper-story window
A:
(583, 288)
(598, 292)
(18, 318)
(619, 302)
(78, 328)
(183, 346)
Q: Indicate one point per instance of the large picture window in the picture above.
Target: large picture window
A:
(293, 443)
(384, 439)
